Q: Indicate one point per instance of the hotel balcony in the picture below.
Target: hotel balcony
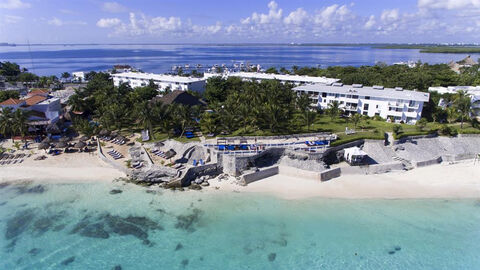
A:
(396, 105)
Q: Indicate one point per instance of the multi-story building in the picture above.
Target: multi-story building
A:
(258, 76)
(396, 104)
(163, 81)
(472, 91)
(45, 110)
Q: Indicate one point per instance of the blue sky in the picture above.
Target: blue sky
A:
(222, 21)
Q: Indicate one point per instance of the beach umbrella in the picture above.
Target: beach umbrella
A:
(61, 145)
(47, 140)
(80, 144)
(43, 146)
(84, 138)
(114, 134)
(120, 138)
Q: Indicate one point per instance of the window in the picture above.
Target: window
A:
(367, 97)
(324, 94)
(365, 113)
(355, 96)
(337, 95)
(376, 107)
(365, 107)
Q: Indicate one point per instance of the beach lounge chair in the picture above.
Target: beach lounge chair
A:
(201, 162)
(195, 162)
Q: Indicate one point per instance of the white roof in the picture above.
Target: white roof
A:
(269, 76)
(475, 90)
(355, 151)
(376, 91)
(156, 77)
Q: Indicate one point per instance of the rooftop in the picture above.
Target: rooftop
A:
(34, 100)
(270, 76)
(375, 91)
(157, 77)
(11, 101)
(180, 97)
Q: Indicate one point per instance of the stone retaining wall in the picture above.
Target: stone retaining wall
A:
(196, 172)
(259, 175)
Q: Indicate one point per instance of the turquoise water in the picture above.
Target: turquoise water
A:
(84, 226)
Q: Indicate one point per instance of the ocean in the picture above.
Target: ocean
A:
(55, 59)
(118, 226)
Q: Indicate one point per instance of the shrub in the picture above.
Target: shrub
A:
(448, 131)
(421, 124)
(397, 129)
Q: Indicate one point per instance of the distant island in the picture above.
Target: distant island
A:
(435, 48)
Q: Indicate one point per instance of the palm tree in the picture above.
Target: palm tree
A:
(333, 109)
(6, 122)
(145, 116)
(463, 104)
(20, 122)
(309, 117)
(244, 113)
(356, 118)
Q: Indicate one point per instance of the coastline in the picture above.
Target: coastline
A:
(442, 181)
(460, 180)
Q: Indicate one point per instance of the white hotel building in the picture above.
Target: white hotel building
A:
(163, 81)
(399, 104)
(258, 76)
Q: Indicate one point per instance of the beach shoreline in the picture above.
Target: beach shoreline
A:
(459, 180)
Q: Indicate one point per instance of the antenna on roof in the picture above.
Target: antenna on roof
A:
(30, 54)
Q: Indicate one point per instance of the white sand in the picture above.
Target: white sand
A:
(76, 167)
(460, 180)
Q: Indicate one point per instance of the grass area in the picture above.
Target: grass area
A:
(434, 48)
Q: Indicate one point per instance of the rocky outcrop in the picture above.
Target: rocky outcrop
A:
(155, 174)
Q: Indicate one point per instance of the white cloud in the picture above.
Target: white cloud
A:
(390, 15)
(58, 22)
(11, 19)
(13, 4)
(297, 17)
(113, 7)
(55, 21)
(448, 4)
(330, 23)
(108, 22)
(370, 23)
(274, 15)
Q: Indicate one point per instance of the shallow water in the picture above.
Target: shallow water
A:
(55, 59)
(84, 226)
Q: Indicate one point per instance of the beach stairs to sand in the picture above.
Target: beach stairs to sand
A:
(406, 163)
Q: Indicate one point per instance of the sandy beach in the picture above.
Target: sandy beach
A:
(461, 180)
(78, 167)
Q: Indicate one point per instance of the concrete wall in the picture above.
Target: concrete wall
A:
(293, 136)
(259, 175)
(195, 172)
(295, 172)
(330, 174)
(454, 158)
(235, 165)
(111, 162)
(427, 162)
(385, 167)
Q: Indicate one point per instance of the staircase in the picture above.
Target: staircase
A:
(406, 163)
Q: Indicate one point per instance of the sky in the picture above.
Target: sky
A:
(241, 21)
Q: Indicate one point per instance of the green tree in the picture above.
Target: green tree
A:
(145, 115)
(356, 118)
(66, 75)
(271, 70)
(333, 109)
(463, 104)
(20, 122)
(6, 122)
